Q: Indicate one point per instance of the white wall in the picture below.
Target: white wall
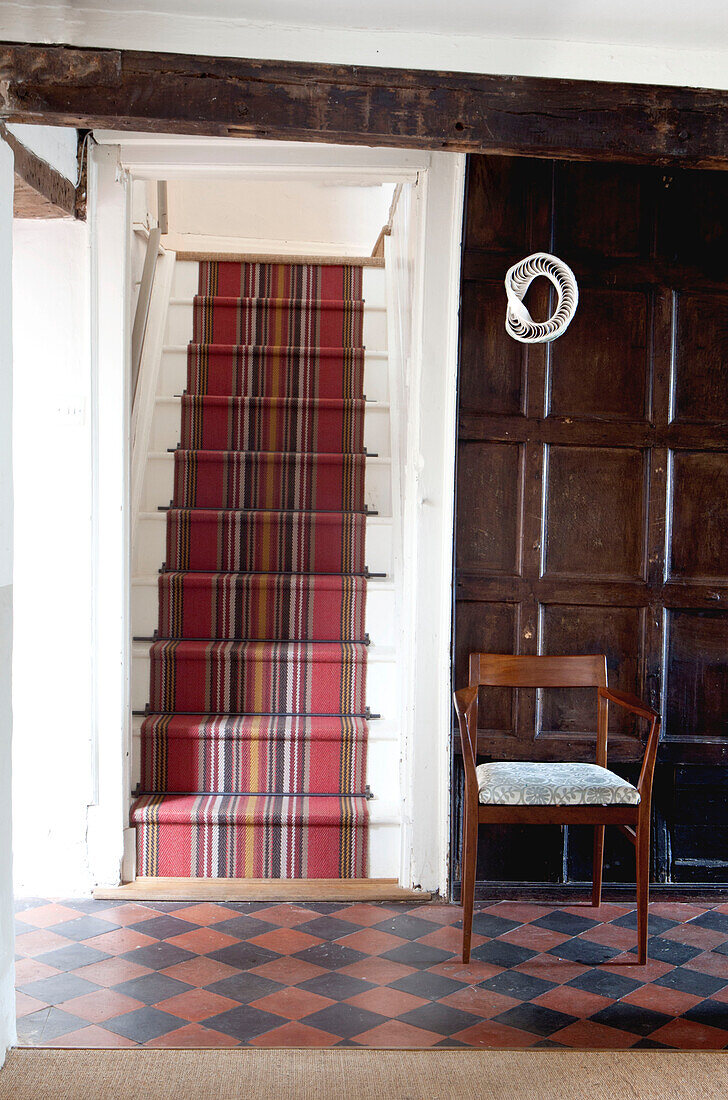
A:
(52, 763)
(56, 145)
(7, 937)
(291, 216)
(655, 41)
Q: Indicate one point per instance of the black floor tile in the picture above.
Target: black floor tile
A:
(345, 1020)
(21, 904)
(243, 956)
(164, 927)
(488, 924)
(691, 981)
(339, 987)
(46, 1024)
(535, 1019)
(244, 1022)
(327, 928)
(714, 1013)
(83, 928)
(424, 983)
(717, 922)
(443, 1019)
(158, 956)
(420, 955)
(500, 953)
(669, 951)
(649, 1044)
(452, 1044)
(330, 955)
(72, 957)
(245, 926)
(152, 988)
(244, 987)
(407, 926)
(58, 988)
(605, 984)
(584, 951)
(628, 1017)
(144, 1024)
(512, 983)
(569, 923)
(655, 924)
(90, 905)
(21, 928)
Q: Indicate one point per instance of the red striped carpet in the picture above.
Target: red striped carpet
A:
(253, 751)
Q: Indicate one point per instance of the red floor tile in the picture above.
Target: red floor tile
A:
(192, 1037)
(662, 999)
(490, 1034)
(387, 1001)
(520, 911)
(202, 940)
(24, 1004)
(589, 1035)
(92, 1037)
(695, 936)
(292, 1003)
(441, 914)
(535, 939)
(396, 1033)
(112, 971)
(199, 971)
(366, 915)
(196, 1005)
(552, 969)
(44, 915)
(480, 1002)
(288, 971)
(286, 941)
(100, 1005)
(612, 935)
(286, 916)
(120, 941)
(204, 914)
(130, 913)
(30, 970)
(676, 910)
(710, 963)
(40, 941)
(295, 1035)
(689, 1035)
(607, 911)
(450, 939)
(472, 972)
(379, 971)
(628, 968)
(574, 1001)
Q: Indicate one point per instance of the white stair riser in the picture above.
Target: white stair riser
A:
(159, 483)
(381, 681)
(186, 282)
(173, 373)
(384, 850)
(380, 610)
(150, 544)
(166, 427)
(179, 324)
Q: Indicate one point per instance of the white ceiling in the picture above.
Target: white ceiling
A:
(692, 24)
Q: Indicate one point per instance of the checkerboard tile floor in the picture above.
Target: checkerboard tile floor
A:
(105, 974)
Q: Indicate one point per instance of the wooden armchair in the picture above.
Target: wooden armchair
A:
(546, 793)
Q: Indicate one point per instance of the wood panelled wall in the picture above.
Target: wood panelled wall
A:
(592, 491)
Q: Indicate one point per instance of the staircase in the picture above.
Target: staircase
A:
(253, 748)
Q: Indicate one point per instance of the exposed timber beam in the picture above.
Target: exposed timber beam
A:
(463, 112)
(40, 190)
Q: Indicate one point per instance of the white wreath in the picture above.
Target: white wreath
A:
(519, 323)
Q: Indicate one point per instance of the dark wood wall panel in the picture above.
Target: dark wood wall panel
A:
(592, 488)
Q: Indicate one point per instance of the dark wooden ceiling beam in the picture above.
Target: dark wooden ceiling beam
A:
(40, 190)
(179, 93)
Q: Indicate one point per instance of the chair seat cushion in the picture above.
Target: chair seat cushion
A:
(518, 783)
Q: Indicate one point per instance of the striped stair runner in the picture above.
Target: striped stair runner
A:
(253, 751)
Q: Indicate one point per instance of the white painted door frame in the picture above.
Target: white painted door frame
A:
(426, 469)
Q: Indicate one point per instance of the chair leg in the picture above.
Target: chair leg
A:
(598, 865)
(642, 850)
(470, 848)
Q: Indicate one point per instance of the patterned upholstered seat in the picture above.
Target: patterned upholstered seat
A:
(519, 783)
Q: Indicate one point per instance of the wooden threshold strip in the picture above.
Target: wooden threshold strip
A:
(282, 258)
(261, 889)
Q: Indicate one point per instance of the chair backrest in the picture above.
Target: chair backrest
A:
(508, 670)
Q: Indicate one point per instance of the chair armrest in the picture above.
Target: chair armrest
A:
(629, 702)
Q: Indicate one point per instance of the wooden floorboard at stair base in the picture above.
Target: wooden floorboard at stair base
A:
(225, 889)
